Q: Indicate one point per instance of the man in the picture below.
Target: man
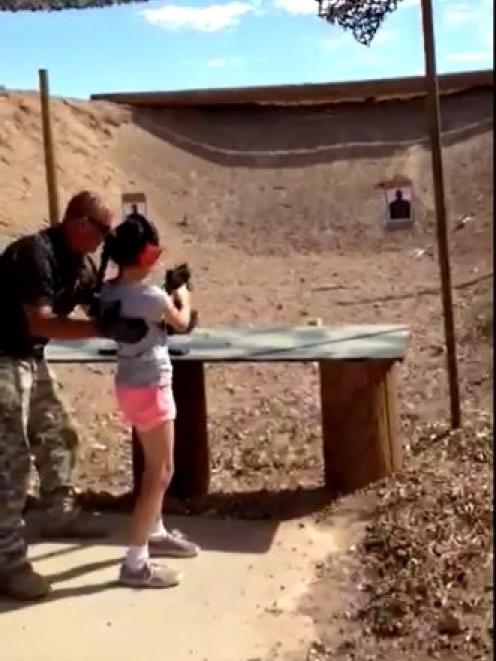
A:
(43, 278)
(399, 208)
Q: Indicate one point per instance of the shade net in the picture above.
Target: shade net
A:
(362, 18)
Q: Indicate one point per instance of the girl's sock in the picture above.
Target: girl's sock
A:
(137, 556)
(158, 531)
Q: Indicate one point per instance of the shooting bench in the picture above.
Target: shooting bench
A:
(357, 393)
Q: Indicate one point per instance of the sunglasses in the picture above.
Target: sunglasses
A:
(102, 228)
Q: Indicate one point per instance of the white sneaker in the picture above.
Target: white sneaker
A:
(149, 575)
(172, 545)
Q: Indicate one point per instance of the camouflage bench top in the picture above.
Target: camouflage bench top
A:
(270, 344)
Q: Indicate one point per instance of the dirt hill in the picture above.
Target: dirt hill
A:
(277, 211)
(265, 180)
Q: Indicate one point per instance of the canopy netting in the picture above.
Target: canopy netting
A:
(362, 17)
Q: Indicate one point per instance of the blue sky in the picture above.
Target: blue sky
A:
(186, 44)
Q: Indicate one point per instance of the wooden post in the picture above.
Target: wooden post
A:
(360, 442)
(51, 175)
(191, 453)
(440, 206)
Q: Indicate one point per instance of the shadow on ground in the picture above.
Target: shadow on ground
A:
(282, 505)
(81, 566)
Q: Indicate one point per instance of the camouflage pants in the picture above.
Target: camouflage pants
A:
(33, 421)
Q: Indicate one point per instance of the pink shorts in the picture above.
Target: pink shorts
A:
(146, 407)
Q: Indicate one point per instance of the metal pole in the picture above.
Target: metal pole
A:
(51, 174)
(440, 207)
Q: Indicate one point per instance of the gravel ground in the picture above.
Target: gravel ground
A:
(420, 582)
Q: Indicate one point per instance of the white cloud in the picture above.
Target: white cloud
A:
(477, 13)
(216, 62)
(456, 14)
(487, 35)
(210, 18)
(473, 18)
(374, 60)
(338, 41)
(471, 56)
(408, 4)
(219, 62)
(384, 36)
(297, 7)
(370, 58)
(331, 44)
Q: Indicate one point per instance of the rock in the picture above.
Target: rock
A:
(449, 624)
(98, 446)
(464, 221)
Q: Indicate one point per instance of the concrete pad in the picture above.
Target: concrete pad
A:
(237, 600)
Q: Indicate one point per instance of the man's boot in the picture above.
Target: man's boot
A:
(64, 519)
(74, 525)
(24, 584)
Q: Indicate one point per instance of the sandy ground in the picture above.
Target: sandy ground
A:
(238, 600)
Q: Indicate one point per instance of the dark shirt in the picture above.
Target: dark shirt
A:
(40, 269)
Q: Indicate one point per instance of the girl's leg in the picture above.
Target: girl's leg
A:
(163, 542)
(158, 448)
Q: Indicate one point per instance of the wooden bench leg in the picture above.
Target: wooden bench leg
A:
(360, 440)
(191, 453)
(192, 457)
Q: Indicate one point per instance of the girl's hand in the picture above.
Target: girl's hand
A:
(181, 297)
(179, 316)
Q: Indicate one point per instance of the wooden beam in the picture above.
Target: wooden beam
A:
(309, 93)
(359, 424)
(50, 171)
(434, 119)
(191, 451)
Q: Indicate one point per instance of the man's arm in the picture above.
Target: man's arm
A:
(88, 288)
(37, 294)
(44, 323)
(37, 291)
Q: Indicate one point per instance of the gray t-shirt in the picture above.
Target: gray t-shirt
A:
(147, 362)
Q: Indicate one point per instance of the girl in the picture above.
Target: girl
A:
(144, 394)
